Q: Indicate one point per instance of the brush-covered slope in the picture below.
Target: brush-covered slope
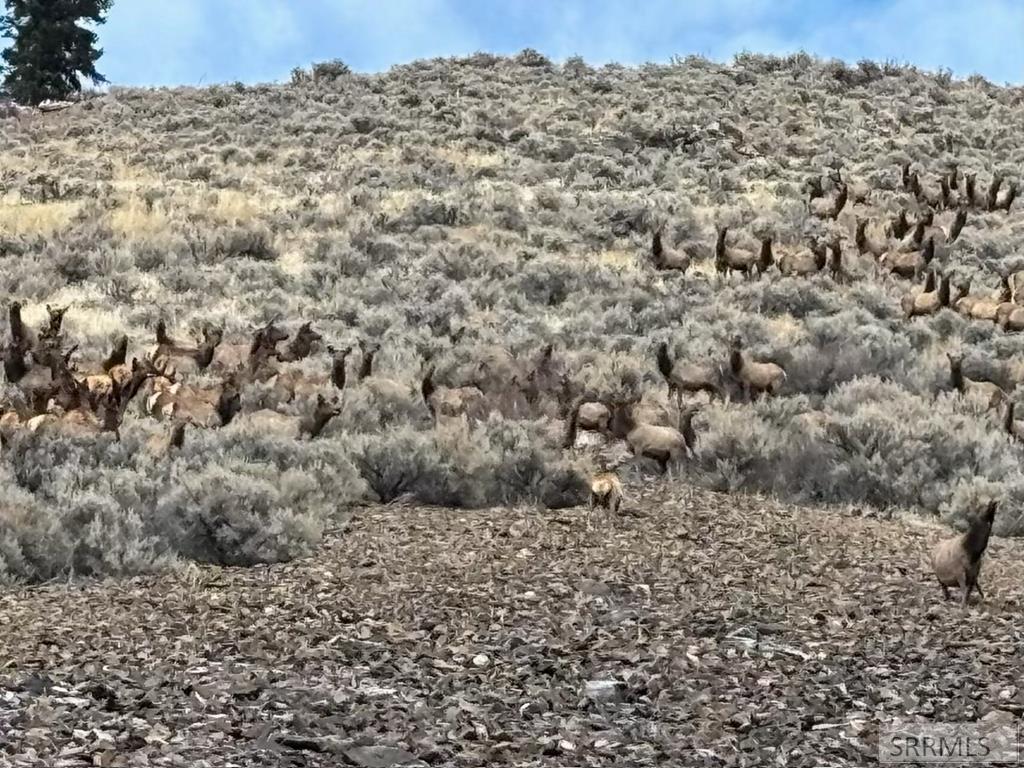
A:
(472, 210)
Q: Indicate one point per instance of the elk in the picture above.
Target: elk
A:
(916, 238)
(983, 307)
(992, 196)
(665, 259)
(803, 262)
(985, 391)
(762, 378)
(387, 389)
(681, 376)
(830, 207)
(739, 259)
(605, 492)
(948, 235)
(900, 226)
(970, 194)
(1010, 316)
(957, 561)
(21, 335)
(309, 426)
(301, 346)
(164, 444)
(338, 359)
(927, 302)
(835, 261)
(910, 265)
(1005, 200)
(254, 355)
(1012, 427)
(874, 243)
(186, 357)
(452, 401)
(200, 406)
(662, 444)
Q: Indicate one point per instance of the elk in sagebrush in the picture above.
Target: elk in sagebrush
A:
(381, 387)
(732, 259)
(910, 264)
(992, 196)
(1007, 197)
(986, 392)
(927, 302)
(830, 207)
(803, 261)
(665, 445)
(899, 226)
(668, 259)
(871, 238)
(452, 401)
(754, 377)
(957, 561)
(187, 358)
(684, 377)
(1013, 428)
(301, 347)
(948, 234)
(983, 306)
(310, 425)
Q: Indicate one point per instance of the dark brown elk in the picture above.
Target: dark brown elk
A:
(302, 345)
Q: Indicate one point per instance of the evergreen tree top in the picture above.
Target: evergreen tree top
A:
(52, 47)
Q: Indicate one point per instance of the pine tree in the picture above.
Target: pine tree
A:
(51, 47)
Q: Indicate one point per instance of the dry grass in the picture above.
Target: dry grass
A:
(22, 219)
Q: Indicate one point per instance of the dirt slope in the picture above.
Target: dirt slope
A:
(741, 632)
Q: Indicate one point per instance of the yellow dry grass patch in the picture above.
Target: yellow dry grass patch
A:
(761, 195)
(235, 207)
(469, 158)
(705, 267)
(128, 177)
(89, 314)
(619, 258)
(43, 219)
(785, 329)
(401, 200)
(136, 221)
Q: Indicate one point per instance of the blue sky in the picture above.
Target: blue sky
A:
(189, 42)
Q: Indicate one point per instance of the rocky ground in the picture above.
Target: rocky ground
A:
(696, 629)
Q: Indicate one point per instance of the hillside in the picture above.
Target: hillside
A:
(471, 211)
(726, 631)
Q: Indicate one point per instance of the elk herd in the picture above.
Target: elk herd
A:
(904, 246)
(200, 384)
